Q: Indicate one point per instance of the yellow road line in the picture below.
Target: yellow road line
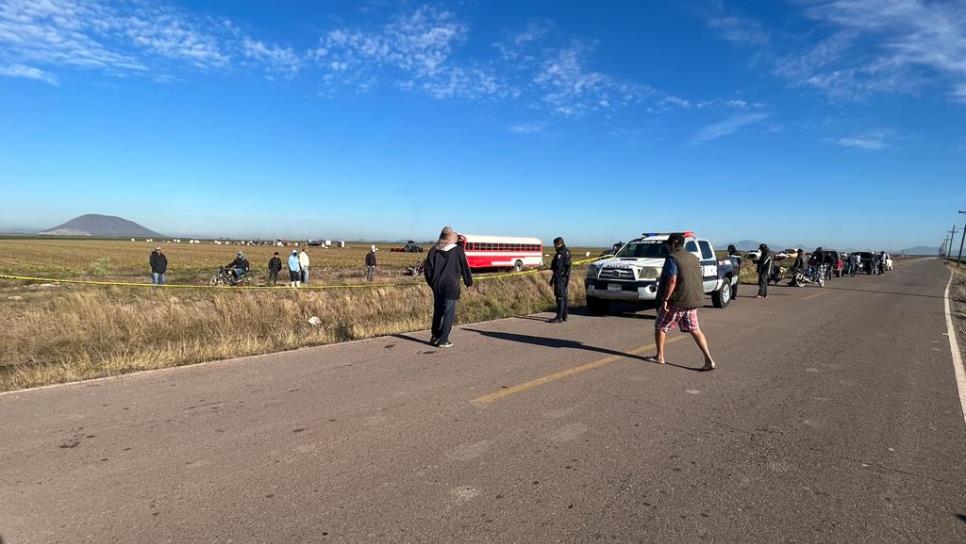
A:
(809, 297)
(503, 393)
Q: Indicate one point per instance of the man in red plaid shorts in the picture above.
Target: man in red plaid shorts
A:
(679, 295)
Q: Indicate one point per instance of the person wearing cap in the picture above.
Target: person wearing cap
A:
(560, 279)
(304, 266)
(444, 268)
(799, 265)
(763, 267)
(680, 292)
(294, 269)
(274, 267)
(159, 266)
(371, 262)
(239, 266)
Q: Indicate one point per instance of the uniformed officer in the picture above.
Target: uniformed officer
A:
(560, 266)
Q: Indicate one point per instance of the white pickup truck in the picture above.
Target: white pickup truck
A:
(632, 274)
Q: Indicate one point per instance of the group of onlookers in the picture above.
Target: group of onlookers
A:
(298, 264)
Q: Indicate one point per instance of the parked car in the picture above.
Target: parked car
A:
(632, 274)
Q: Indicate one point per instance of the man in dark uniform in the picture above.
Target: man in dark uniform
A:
(159, 266)
(560, 281)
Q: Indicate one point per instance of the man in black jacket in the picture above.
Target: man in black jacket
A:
(445, 266)
(371, 263)
(799, 265)
(560, 281)
(239, 266)
(159, 266)
(274, 266)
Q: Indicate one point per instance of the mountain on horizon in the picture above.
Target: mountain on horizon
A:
(923, 250)
(108, 226)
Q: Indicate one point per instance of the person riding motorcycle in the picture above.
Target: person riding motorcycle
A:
(799, 265)
(239, 266)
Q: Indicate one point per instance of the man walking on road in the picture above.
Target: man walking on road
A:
(445, 266)
(274, 267)
(560, 281)
(159, 266)
(679, 295)
(304, 266)
(371, 263)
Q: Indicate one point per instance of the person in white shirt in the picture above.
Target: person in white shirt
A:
(304, 266)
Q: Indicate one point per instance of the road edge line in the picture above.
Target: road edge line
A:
(954, 349)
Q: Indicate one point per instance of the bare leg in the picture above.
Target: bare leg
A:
(660, 337)
(702, 343)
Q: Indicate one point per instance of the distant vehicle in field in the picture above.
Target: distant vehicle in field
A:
(502, 252)
(410, 247)
(632, 275)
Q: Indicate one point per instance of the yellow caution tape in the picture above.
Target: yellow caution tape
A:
(302, 288)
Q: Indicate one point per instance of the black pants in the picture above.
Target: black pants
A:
(763, 284)
(272, 277)
(560, 293)
(444, 314)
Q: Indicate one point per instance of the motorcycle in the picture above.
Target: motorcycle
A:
(226, 276)
(777, 274)
(813, 274)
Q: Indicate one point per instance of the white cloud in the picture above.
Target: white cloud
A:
(528, 128)
(894, 46)
(727, 126)
(738, 29)
(571, 90)
(517, 46)
(675, 101)
(283, 61)
(958, 93)
(28, 72)
(870, 140)
(149, 38)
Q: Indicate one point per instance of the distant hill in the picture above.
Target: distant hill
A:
(922, 250)
(93, 224)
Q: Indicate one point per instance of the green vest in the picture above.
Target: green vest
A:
(689, 292)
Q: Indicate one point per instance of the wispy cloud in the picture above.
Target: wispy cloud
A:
(528, 128)
(28, 72)
(727, 126)
(738, 29)
(122, 39)
(870, 140)
(882, 46)
(277, 60)
(571, 89)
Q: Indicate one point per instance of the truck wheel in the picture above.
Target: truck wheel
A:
(722, 296)
(597, 306)
(518, 266)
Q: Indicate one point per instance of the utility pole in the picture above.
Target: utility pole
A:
(952, 234)
(959, 260)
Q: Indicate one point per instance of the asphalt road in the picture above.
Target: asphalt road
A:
(833, 417)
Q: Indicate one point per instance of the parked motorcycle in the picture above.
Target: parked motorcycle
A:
(812, 274)
(777, 274)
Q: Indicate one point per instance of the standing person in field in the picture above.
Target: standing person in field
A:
(159, 266)
(304, 266)
(371, 262)
(294, 269)
(679, 295)
(274, 267)
(445, 266)
(560, 280)
(764, 270)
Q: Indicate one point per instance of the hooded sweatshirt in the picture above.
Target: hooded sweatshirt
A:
(445, 266)
(293, 263)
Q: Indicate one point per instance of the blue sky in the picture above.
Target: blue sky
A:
(835, 122)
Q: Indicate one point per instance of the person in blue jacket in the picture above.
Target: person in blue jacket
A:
(294, 269)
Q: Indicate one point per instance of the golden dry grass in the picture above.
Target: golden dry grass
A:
(73, 332)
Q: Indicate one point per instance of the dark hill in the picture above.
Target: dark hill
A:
(109, 226)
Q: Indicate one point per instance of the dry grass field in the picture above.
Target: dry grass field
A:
(60, 333)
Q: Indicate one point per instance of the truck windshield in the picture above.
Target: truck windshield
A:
(640, 249)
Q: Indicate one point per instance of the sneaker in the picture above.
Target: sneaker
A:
(555, 320)
(446, 344)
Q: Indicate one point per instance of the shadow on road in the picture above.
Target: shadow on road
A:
(551, 342)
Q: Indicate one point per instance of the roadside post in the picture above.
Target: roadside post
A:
(959, 260)
(952, 234)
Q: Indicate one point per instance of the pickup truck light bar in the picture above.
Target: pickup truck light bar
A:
(687, 234)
